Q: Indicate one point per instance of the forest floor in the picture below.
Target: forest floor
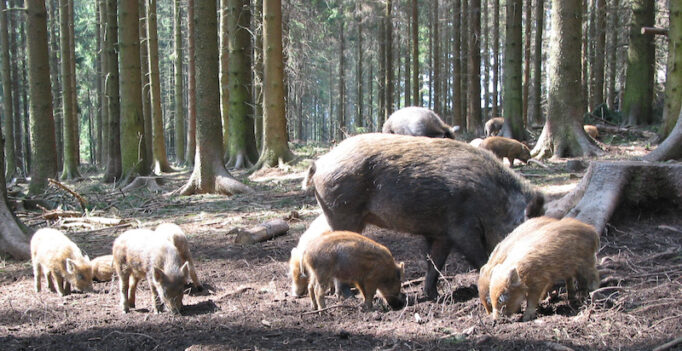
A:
(248, 304)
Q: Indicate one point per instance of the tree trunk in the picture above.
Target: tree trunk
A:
(113, 170)
(148, 159)
(275, 148)
(612, 54)
(43, 146)
(563, 134)
(8, 114)
(258, 74)
(464, 44)
(486, 61)
(496, 56)
(639, 81)
(673, 82)
(436, 69)
(74, 96)
(474, 123)
(359, 125)
(242, 149)
(132, 123)
(68, 114)
(158, 141)
(224, 87)
(526, 60)
(512, 98)
(100, 90)
(381, 84)
(53, 30)
(191, 87)
(179, 110)
(209, 175)
(597, 91)
(416, 98)
(341, 117)
(536, 114)
(671, 147)
(457, 118)
(388, 80)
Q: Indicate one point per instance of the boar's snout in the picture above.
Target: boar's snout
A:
(397, 302)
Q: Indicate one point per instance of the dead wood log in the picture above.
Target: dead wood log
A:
(625, 130)
(609, 185)
(57, 214)
(261, 232)
(654, 31)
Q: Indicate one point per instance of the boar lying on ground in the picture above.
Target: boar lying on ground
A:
(443, 189)
(505, 147)
(493, 126)
(353, 259)
(591, 131)
(103, 268)
(299, 279)
(142, 253)
(173, 233)
(60, 261)
(558, 250)
(418, 121)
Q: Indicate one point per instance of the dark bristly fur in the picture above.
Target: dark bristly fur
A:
(418, 121)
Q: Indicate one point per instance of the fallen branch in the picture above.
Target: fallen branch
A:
(654, 31)
(236, 292)
(669, 344)
(261, 232)
(94, 220)
(80, 199)
(57, 214)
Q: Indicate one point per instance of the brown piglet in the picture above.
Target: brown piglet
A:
(141, 253)
(103, 268)
(353, 259)
(591, 131)
(174, 234)
(559, 250)
(506, 147)
(299, 280)
(60, 261)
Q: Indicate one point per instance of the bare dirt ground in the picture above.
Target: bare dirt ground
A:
(248, 305)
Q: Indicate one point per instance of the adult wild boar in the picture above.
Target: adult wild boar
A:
(558, 250)
(352, 259)
(60, 261)
(453, 194)
(140, 253)
(505, 147)
(493, 126)
(418, 121)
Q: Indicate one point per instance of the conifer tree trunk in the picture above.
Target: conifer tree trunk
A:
(43, 145)
(639, 81)
(597, 90)
(100, 91)
(224, 87)
(341, 117)
(496, 56)
(69, 116)
(563, 134)
(388, 80)
(210, 174)
(458, 118)
(53, 29)
(474, 123)
(179, 111)
(358, 79)
(113, 170)
(464, 63)
(132, 123)
(275, 149)
(612, 54)
(74, 96)
(8, 111)
(435, 38)
(526, 60)
(416, 98)
(103, 78)
(191, 88)
(381, 81)
(159, 144)
(242, 149)
(148, 159)
(258, 74)
(511, 95)
(13, 240)
(673, 82)
(486, 61)
(536, 113)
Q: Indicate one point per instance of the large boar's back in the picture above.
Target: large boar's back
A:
(431, 187)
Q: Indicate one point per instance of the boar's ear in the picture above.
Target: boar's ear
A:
(87, 258)
(70, 266)
(185, 269)
(158, 274)
(514, 279)
(401, 269)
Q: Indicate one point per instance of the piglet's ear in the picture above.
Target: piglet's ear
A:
(158, 274)
(185, 269)
(514, 279)
(70, 266)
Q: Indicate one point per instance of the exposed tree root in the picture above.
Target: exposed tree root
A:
(610, 185)
(151, 183)
(670, 148)
(239, 160)
(222, 183)
(571, 143)
(270, 158)
(13, 240)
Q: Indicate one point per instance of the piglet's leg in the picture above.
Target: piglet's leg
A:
(532, 304)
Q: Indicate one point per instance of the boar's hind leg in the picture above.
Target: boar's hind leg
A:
(438, 251)
(367, 289)
(132, 289)
(37, 276)
(123, 276)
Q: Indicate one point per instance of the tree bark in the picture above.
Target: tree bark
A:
(224, 82)
(8, 114)
(513, 73)
(242, 149)
(436, 69)
(526, 60)
(563, 134)
(496, 56)
(179, 93)
(388, 79)
(132, 123)
(416, 98)
(486, 62)
(191, 87)
(100, 86)
(341, 128)
(43, 145)
(536, 115)
(673, 82)
(464, 45)
(612, 54)
(148, 159)
(671, 147)
(639, 81)
(275, 148)
(210, 174)
(597, 90)
(113, 169)
(474, 122)
(159, 144)
(457, 118)
(70, 119)
(359, 123)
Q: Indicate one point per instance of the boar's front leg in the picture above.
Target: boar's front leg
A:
(59, 282)
(531, 303)
(438, 251)
(37, 276)
(157, 304)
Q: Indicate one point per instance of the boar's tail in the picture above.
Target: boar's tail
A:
(308, 179)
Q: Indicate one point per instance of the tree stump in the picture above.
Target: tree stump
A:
(610, 185)
(261, 232)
